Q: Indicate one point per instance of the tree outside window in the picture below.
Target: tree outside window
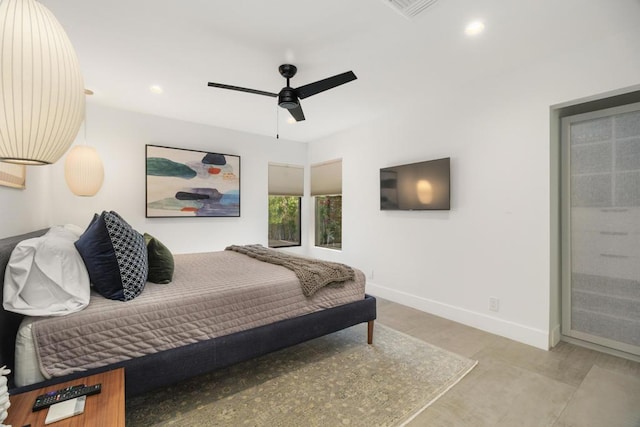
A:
(284, 221)
(328, 221)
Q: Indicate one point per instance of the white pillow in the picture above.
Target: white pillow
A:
(26, 368)
(75, 229)
(46, 276)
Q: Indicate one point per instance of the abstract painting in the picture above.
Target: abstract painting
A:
(13, 175)
(188, 183)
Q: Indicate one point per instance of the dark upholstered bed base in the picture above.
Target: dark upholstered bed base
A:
(160, 369)
(9, 322)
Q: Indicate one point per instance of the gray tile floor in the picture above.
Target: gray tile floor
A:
(518, 385)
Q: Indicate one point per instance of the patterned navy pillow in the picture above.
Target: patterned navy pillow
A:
(115, 256)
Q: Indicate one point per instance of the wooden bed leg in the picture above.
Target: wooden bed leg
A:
(370, 332)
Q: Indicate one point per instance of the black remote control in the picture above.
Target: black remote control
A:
(53, 397)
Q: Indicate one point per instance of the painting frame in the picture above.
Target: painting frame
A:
(188, 183)
(13, 175)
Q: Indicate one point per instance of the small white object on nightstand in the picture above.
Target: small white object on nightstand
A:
(66, 409)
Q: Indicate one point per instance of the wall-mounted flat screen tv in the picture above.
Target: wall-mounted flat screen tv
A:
(416, 186)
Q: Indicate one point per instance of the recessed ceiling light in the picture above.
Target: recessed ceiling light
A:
(474, 28)
(156, 89)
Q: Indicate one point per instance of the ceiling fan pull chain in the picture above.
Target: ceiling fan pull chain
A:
(277, 123)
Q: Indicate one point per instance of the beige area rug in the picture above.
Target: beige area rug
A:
(330, 381)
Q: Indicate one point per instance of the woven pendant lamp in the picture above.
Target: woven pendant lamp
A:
(83, 169)
(41, 90)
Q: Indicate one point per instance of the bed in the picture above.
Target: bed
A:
(226, 340)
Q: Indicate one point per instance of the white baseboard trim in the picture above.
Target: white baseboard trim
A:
(515, 331)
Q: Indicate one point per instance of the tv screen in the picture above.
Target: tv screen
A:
(416, 186)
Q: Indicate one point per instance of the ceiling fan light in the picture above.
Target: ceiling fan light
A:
(42, 92)
(288, 105)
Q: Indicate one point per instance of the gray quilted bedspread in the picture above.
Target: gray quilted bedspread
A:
(212, 294)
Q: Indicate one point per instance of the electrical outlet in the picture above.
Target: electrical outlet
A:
(494, 304)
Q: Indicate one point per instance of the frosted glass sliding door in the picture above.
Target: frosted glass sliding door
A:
(601, 227)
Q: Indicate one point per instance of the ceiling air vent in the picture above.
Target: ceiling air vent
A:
(409, 8)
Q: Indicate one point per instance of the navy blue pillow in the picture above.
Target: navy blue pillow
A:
(115, 256)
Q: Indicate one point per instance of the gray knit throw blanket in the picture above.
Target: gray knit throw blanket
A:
(312, 273)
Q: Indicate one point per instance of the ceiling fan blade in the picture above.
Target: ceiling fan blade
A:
(297, 113)
(242, 89)
(325, 84)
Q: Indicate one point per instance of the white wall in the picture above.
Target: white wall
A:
(26, 210)
(120, 138)
(495, 241)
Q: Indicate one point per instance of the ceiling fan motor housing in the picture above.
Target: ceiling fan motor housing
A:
(287, 98)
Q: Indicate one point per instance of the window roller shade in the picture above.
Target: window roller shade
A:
(286, 180)
(326, 178)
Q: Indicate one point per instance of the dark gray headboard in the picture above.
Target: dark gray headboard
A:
(9, 322)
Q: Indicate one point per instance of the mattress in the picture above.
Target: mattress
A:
(212, 294)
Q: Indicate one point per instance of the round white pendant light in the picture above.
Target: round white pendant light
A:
(42, 91)
(83, 170)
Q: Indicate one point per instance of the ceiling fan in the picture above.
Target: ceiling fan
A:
(289, 98)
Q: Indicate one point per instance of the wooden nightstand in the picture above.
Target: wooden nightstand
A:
(101, 410)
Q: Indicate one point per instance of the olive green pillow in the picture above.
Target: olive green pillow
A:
(160, 261)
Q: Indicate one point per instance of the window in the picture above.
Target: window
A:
(329, 221)
(284, 221)
(326, 187)
(285, 193)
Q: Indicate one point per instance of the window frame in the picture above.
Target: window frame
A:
(317, 221)
(299, 224)
(326, 182)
